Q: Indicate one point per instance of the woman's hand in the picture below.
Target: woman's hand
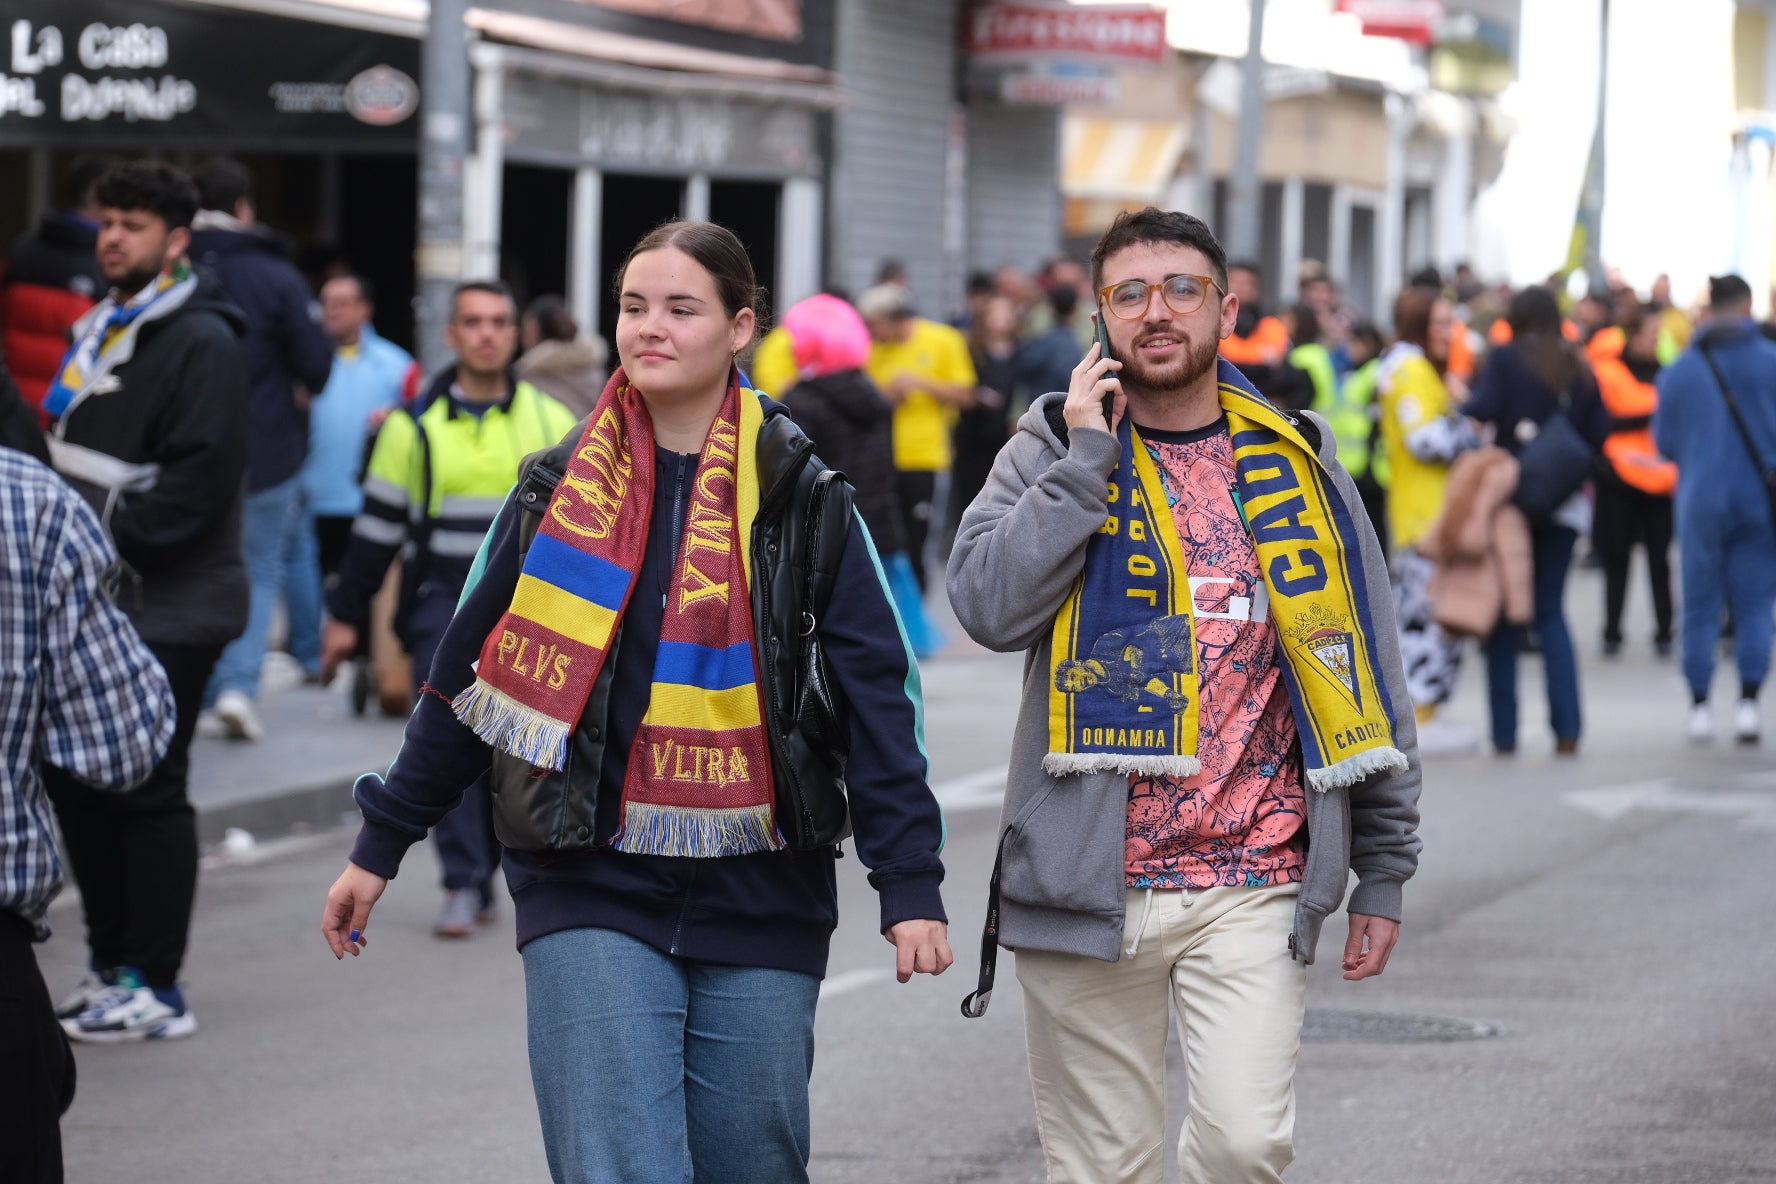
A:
(1094, 378)
(349, 902)
(921, 947)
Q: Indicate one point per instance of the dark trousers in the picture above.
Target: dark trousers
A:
(918, 492)
(1627, 516)
(333, 535)
(134, 854)
(36, 1064)
(467, 848)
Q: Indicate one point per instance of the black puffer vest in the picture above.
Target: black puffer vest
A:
(555, 811)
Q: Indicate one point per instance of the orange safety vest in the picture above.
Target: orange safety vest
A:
(1630, 449)
(1500, 333)
(1268, 345)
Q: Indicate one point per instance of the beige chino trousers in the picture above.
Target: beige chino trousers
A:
(1097, 1039)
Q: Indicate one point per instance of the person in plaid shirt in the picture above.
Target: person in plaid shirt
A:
(79, 691)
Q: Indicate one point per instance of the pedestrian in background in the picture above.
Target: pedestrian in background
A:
(150, 423)
(1635, 484)
(289, 357)
(437, 477)
(1423, 431)
(18, 421)
(1717, 420)
(983, 427)
(674, 883)
(52, 278)
(369, 377)
(1523, 385)
(567, 367)
(1045, 361)
(1177, 822)
(1353, 416)
(83, 696)
(852, 428)
(923, 370)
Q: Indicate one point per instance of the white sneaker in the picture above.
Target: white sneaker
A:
(1441, 737)
(1701, 726)
(1746, 724)
(239, 716)
(82, 996)
(210, 726)
(123, 1014)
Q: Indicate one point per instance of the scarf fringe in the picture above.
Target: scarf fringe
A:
(1356, 768)
(696, 833)
(1063, 764)
(510, 726)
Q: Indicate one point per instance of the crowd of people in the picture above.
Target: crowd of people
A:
(1127, 471)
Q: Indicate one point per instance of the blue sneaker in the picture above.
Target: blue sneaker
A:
(130, 1010)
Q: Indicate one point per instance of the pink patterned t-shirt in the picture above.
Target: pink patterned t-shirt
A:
(1242, 820)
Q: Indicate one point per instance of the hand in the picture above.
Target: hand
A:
(900, 386)
(349, 902)
(921, 947)
(1457, 386)
(1381, 934)
(338, 642)
(1094, 378)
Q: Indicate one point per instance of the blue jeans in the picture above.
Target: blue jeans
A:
(1730, 556)
(268, 520)
(1553, 548)
(651, 1069)
(302, 593)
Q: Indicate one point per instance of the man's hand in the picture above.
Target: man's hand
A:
(1094, 378)
(1379, 935)
(338, 642)
(349, 902)
(921, 947)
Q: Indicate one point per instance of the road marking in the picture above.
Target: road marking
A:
(1755, 811)
(980, 790)
(852, 980)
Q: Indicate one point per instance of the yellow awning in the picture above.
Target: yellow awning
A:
(1118, 159)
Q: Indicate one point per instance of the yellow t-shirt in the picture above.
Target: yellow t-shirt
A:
(1412, 395)
(773, 364)
(922, 422)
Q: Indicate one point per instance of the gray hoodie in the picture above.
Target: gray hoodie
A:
(1018, 550)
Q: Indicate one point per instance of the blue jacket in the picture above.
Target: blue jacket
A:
(364, 380)
(285, 345)
(1693, 427)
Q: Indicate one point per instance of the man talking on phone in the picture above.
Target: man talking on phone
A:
(1214, 680)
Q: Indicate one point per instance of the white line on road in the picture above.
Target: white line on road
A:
(980, 790)
(852, 980)
(1755, 811)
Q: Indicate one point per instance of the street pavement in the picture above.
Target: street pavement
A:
(1604, 921)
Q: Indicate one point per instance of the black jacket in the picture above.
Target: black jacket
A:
(285, 344)
(18, 422)
(852, 427)
(180, 405)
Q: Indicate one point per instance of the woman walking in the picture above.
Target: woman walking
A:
(1422, 431)
(669, 784)
(1524, 385)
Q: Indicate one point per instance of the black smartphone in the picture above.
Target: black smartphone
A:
(1104, 351)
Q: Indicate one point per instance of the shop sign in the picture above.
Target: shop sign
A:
(1033, 88)
(73, 70)
(1058, 32)
(1409, 20)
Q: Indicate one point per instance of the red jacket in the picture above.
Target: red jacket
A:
(52, 278)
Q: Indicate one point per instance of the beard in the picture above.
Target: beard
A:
(131, 282)
(1198, 357)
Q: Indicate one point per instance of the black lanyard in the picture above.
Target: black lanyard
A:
(975, 1005)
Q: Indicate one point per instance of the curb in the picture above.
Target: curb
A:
(315, 806)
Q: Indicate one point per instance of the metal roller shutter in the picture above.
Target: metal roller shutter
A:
(1014, 195)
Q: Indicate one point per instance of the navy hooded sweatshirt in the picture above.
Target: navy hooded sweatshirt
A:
(773, 909)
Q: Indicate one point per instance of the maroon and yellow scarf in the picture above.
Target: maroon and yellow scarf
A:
(699, 777)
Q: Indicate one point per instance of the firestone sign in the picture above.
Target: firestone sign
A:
(72, 73)
(1052, 32)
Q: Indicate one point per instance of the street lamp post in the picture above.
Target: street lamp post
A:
(443, 147)
(1245, 197)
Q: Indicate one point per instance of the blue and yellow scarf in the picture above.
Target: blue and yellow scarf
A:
(699, 775)
(1123, 692)
(105, 338)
